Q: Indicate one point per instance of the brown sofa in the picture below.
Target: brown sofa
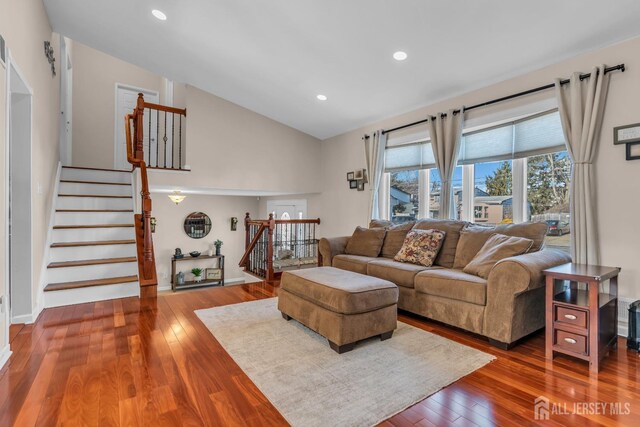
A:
(505, 307)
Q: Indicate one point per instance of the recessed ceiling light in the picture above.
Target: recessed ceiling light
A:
(400, 55)
(159, 14)
(322, 97)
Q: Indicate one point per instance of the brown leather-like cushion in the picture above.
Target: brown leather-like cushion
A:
(366, 242)
(400, 273)
(452, 284)
(340, 291)
(355, 263)
(498, 247)
(535, 231)
(472, 239)
(447, 253)
(394, 239)
(380, 223)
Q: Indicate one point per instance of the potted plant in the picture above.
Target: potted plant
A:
(197, 274)
(218, 245)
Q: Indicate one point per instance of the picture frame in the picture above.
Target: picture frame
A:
(350, 176)
(626, 134)
(360, 185)
(359, 174)
(213, 274)
(353, 184)
(633, 151)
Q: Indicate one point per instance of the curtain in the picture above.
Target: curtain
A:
(446, 133)
(374, 148)
(581, 106)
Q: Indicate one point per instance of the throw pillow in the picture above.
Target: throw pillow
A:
(421, 247)
(535, 231)
(497, 248)
(472, 238)
(452, 229)
(365, 242)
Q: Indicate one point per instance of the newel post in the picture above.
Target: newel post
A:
(139, 128)
(272, 226)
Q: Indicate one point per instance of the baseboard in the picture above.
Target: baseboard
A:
(23, 318)
(5, 353)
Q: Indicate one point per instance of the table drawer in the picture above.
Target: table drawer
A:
(570, 316)
(571, 342)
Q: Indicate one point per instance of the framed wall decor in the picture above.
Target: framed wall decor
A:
(353, 184)
(350, 176)
(359, 174)
(626, 134)
(213, 273)
(633, 151)
(360, 185)
(197, 225)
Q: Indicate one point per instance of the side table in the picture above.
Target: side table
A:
(582, 323)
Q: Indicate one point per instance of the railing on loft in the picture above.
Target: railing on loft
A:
(135, 126)
(276, 245)
(163, 143)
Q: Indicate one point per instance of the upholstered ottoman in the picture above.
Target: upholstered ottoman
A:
(340, 305)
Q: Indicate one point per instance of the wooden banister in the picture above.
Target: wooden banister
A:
(166, 108)
(251, 246)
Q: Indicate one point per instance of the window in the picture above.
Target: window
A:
(492, 192)
(404, 194)
(436, 185)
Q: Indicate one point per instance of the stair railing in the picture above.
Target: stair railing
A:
(165, 127)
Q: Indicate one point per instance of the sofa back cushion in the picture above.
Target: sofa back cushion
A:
(365, 242)
(452, 229)
(421, 247)
(394, 238)
(497, 247)
(535, 231)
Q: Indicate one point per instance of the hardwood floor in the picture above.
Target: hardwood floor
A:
(133, 362)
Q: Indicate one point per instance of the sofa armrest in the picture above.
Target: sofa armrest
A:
(330, 247)
(515, 294)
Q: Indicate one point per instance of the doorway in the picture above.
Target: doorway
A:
(19, 222)
(126, 100)
(66, 98)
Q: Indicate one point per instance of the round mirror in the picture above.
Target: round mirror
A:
(197, 225)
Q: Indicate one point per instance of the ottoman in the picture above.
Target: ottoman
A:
(340, 305)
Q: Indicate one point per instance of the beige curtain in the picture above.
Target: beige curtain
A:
(581, 105)
(446, 134)
(374, 147)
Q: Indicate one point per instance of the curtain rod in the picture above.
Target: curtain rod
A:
(620, 67)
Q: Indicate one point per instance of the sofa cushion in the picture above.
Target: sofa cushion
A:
(380, 223)
(400, 273)
(472, 239)
(340, 291)
(498, 247)
(355, 263)
(535, 231)
(448, 250)
(394, 239)
(365, 242)
(421, 247)
(452, 284)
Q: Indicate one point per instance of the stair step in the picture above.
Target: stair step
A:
(72, 181)
(94, 243)
(88, 283)
(93, 210)
(81, 263)
(71, 227)
(95, 169)
(104, 196)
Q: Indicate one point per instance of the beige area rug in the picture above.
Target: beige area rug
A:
(311, 385)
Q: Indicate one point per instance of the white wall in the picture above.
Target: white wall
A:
(170, 233)
(618, 198)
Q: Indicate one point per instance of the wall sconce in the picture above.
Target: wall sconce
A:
(234, 223)
(48, 53)
(153, 224)
(177, 197)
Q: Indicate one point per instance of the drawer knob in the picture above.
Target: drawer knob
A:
(570, 316)
(570, 340)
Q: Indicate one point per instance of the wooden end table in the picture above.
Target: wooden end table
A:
(582, 323)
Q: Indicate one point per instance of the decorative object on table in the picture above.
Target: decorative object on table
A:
(194, 254)
(234, 223)
(213, 273)
(180, 278)
(211, 250)
(178, 254)
(176, 197)
(353, 184)
(154, 221)
(360, 185)
(48, 53)
(350, 176)
(197, 274)
(359, 174)
(218, 245)
(633, 339)
(197, 225)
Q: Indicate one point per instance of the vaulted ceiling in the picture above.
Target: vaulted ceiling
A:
(275, 56)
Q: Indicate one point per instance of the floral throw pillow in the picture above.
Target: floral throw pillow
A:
(421, 247)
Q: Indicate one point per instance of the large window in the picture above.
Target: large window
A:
(492, 192)
(435, 187)
(404, 196)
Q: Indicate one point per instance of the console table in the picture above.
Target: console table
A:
(203, 282)
(582, 323)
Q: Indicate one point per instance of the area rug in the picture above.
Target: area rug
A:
(311, 385)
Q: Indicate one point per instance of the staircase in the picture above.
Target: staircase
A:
(93, 254)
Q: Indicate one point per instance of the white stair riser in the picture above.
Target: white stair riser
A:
(108, 190)
(91, 218)
(91, 175)
(92, 234)
(78, 253)
(94, 203)
(91, 272)
(91, 294)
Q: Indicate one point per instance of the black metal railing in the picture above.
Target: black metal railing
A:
(164, 144)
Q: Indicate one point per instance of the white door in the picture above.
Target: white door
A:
(126, 99)
(66, 116)
(294, 209)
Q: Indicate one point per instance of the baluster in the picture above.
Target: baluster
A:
(173, 135)
(180, 144)
(157, 137)
(165, 140)
(149, 137)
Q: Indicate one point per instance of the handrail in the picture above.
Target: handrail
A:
(167, 108)
(252, 244)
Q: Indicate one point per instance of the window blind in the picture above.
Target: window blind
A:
(416, 155)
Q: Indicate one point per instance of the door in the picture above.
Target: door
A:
(66, 97)
(126, 99)
(289, 233)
